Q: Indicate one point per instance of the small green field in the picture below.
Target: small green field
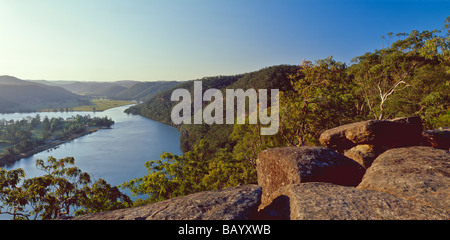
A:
(99, 105)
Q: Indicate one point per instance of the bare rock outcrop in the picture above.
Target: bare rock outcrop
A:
(278, 167)
(236, 203)
(325, 201)
(386, 134)
(420, 174)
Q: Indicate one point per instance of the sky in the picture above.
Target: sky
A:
(150, 40)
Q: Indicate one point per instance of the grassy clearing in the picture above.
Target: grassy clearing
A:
(100, 105)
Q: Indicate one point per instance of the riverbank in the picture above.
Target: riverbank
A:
(98, 105)
(38, 135)
(51, 144)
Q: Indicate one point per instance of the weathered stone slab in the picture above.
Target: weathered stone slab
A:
(325, 201)
(236, 203)
(398, 132)
(417, 173)
(278, 167)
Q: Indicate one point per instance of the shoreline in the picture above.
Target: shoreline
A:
(54, 143)
(49, 145)
(100, 105)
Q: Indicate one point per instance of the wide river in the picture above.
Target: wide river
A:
(116, 155)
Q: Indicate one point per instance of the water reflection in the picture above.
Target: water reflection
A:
(116, 155)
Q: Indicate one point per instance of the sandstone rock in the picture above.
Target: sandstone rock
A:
(237, 203)
(362, 154)
(420, 174)
(438, 138)
(398, 132)
(278, 167)
(324, 201)
(335, 138)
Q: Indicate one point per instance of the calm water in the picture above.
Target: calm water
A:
(116, 155)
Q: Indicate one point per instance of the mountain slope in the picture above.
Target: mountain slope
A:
(276, 77)
(21, 95)
(95, 88)
(145, 90)
(118, 90)
(112, 91)
(160, 106)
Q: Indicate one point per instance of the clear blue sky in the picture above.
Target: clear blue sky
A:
(146, 40)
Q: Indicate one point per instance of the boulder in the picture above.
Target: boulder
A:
(278, 167)
(419, 173)
(336, 139)
(386, 134)
(362, 154)
(438, 138)
(236, 203)
(325, 201)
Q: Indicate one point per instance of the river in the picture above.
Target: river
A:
(117, 154)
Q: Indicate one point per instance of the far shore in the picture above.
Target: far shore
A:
(99, 105)
(52, 144)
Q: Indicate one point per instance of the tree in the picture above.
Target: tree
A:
(172, 175)
(101, 196)
(63, 188)
(385, 72)
(322, 98)
(195, 171)
(12, 198)
(58, 190)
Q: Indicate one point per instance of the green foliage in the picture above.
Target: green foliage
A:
(61, 189)
(101, 196)
(174, 175)
(323, 97)
(12, 198)
(406, 64)
(22, 136)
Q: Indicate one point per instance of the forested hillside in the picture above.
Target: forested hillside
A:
(144, 90)
(409, 77)
(118, 90)
(19, 95)
(159, 107)
(89, 88)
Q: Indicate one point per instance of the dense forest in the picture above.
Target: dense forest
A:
(411, 76)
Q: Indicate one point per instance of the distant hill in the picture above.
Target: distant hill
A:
(89, 88)
(145, 90)
(276, 77)
(10, 80)
(112, 91)
(20, 95)
(119, 90)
